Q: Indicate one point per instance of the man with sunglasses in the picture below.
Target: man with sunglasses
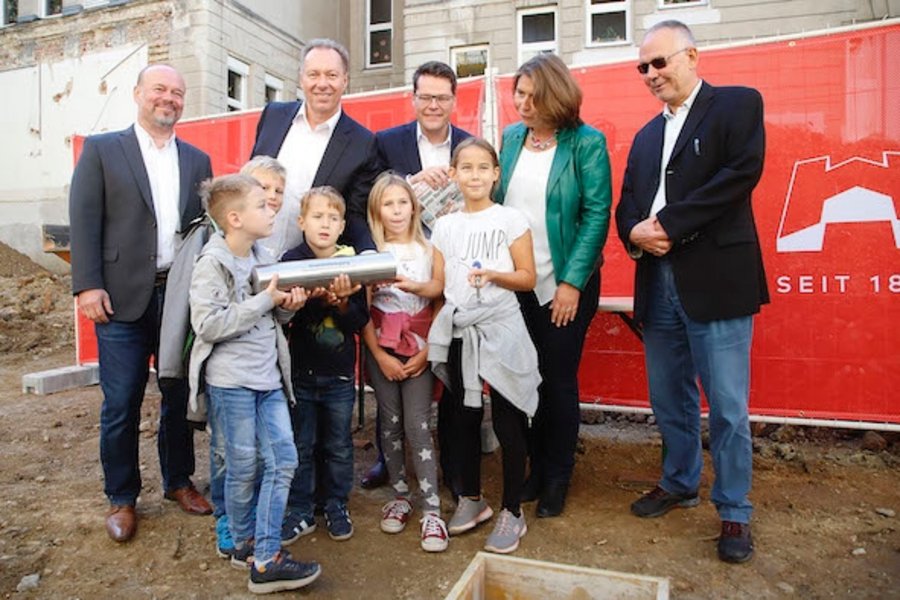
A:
(685, 216)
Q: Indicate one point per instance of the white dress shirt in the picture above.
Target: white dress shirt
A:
(300, 154)
(165, 187)
(433, 155)
(674, 124)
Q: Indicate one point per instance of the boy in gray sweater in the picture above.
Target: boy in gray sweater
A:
(242, 353)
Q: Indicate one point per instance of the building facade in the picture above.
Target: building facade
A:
(68, 66)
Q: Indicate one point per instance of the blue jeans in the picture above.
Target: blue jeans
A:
(216, 460)
(255, 423)
(321, 420)
(678, 349)
(124, 351)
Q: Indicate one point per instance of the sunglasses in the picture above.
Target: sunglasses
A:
(657, 63)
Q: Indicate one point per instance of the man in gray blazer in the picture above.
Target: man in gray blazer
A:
(131, 192)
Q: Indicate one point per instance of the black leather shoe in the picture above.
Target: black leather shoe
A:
(375, 477)
(552, 500)
(735, 542)
(531, 489)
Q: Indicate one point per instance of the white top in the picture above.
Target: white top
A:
(528, 192)
(674, 124)
(484, 236)
(433, 155)
(165, 187)
(301, 153)
(413, 262)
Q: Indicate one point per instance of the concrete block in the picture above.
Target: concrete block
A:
(63, 378)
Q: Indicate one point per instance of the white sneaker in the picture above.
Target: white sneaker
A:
(434, 533)
(469, 513)
(394, 515)
(507, 532)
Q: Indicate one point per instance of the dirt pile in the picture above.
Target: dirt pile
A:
(36, 314)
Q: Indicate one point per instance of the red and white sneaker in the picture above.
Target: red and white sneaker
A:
(395, 514)
(434, 533)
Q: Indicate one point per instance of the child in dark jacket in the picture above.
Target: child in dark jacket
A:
(323, 357)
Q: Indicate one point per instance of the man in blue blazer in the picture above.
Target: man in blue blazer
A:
(685, 216)
(319, 144)
(420, 150)
(131, 192)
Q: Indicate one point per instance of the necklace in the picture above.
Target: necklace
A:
(539, 144)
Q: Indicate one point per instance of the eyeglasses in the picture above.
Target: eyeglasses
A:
(426, 99)
(658, 63)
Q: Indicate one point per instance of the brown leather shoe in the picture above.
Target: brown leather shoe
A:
(121, 522)
(190, 500)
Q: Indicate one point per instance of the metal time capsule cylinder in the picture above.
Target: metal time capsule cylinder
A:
(365, 269)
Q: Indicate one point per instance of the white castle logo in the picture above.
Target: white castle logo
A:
(857, 204)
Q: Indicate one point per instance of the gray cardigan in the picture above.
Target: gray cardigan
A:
(496, 348)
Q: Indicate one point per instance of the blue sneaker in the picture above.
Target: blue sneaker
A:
(242, 558)
(224, 543)
(295, 527)
(282, 573)
(337, 519)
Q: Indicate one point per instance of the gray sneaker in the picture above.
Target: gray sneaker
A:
(505, 537)
(469, 513)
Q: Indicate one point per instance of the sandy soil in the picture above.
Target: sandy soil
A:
(826, 523)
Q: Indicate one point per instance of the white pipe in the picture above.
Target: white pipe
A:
(809, 422)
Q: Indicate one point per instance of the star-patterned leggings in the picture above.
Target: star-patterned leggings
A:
(404, 409)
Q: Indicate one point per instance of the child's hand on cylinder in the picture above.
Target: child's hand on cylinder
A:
(341, 289)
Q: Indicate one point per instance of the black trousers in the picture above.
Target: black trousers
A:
(510, 425)
(554, 429)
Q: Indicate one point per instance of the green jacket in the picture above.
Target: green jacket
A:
(579, 196)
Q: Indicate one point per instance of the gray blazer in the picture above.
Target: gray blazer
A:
(112, 221)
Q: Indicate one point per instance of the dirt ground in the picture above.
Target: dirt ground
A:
(826, 522)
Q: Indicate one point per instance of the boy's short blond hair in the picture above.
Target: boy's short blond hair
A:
(335, 200)
(264, 163)
(223, 194)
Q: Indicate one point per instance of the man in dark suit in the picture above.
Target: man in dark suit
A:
(420, 150)
(685, 216)
(131, 192)
(319, 145)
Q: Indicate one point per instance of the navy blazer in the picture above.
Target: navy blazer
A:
(112, 220)
(398, 148)
(715, 165)
(350, 163)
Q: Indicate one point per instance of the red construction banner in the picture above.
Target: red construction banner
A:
(827, 214)
(228, 140)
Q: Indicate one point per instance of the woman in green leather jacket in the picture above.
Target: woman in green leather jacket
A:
(555, 169)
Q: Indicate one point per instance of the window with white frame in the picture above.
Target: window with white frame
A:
(538, 32)
(273, 88)
(674, 3)
(379, 33)
(468, 61)
(50, 8)
(608, 22)
(238, 74)
(9, 10)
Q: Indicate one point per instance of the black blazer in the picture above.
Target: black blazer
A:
(716, 163)
(350, 163)
(398, 148)
(112, 221)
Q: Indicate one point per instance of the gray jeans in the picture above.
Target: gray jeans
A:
(404, 409)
